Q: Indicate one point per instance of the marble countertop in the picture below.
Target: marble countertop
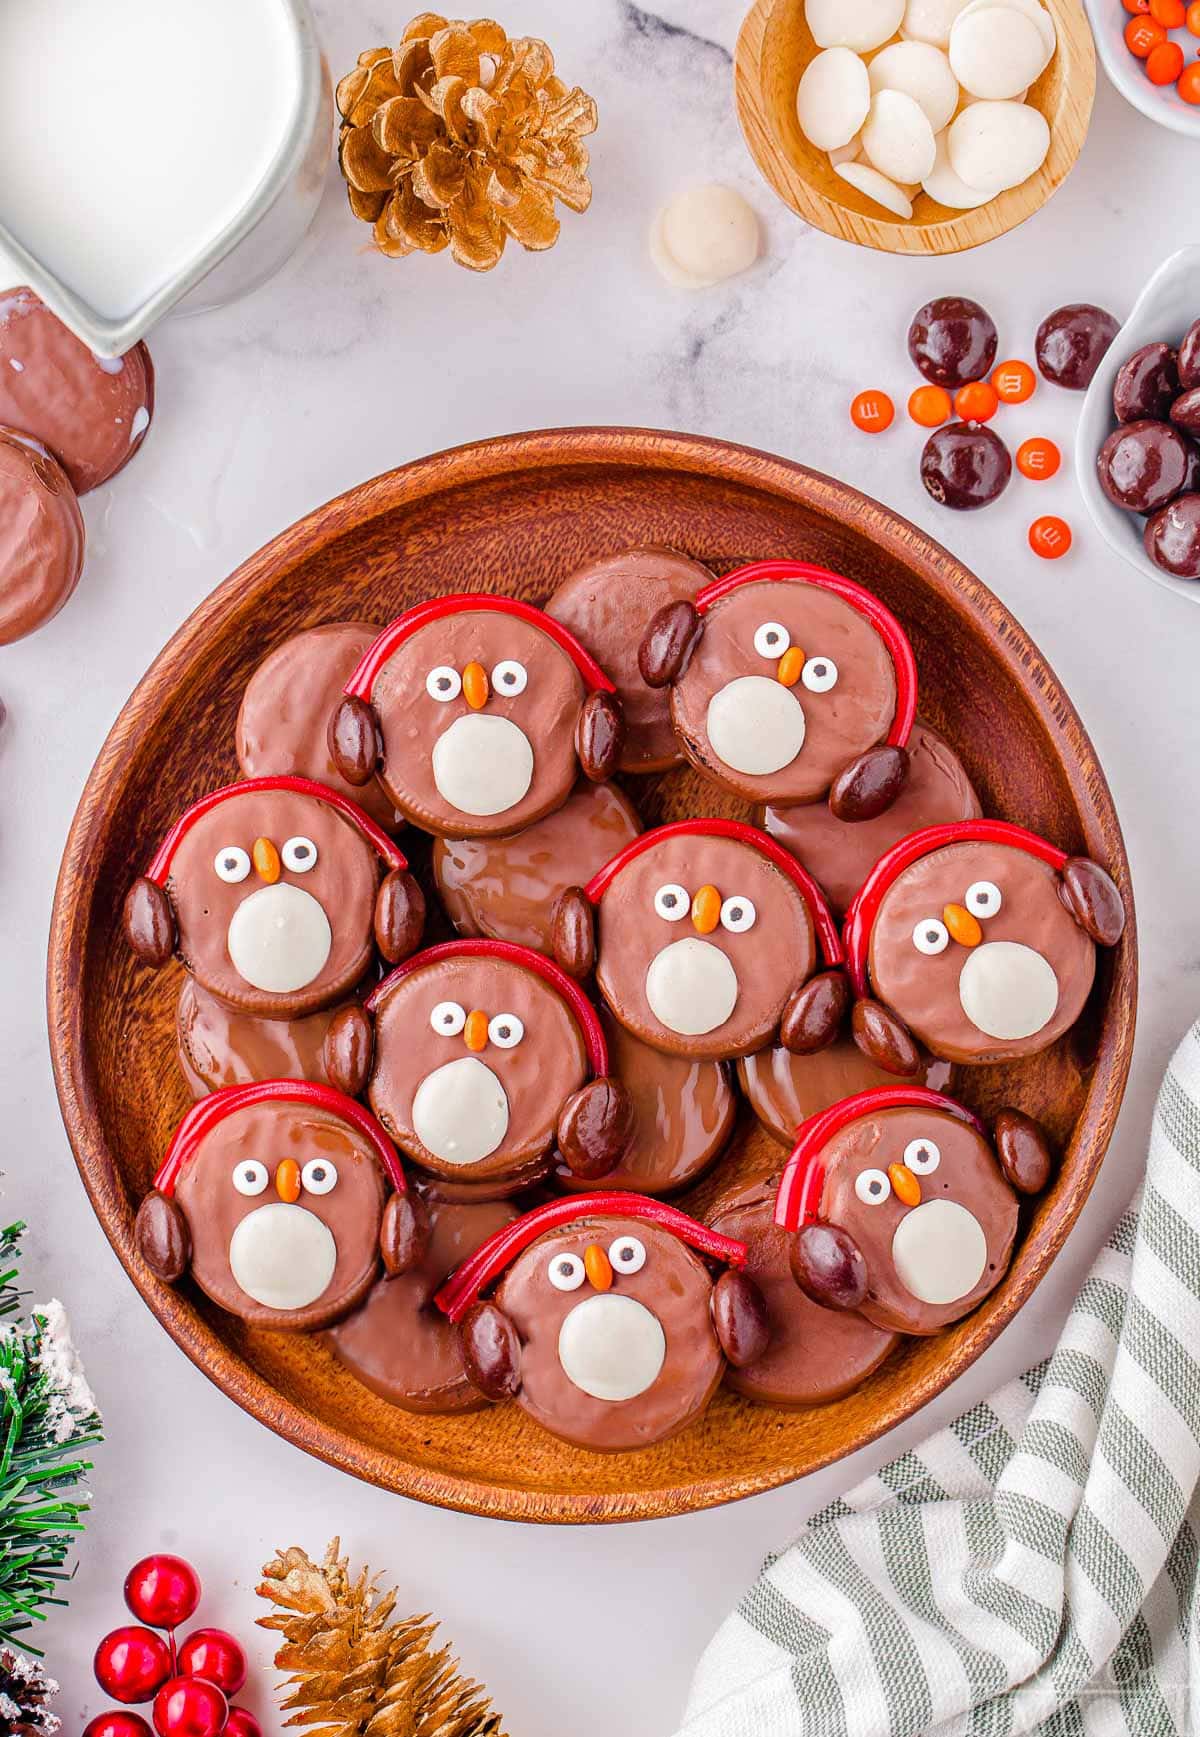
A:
(347, 365)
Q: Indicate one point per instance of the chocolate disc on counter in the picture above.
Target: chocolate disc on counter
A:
(398, 1344)
(840, 853)
(218, 1046)
(41, 536)
(815, 1354)
(283, 723)
(506, 888)
(608, 604)
(92, 413)
(784, 1089)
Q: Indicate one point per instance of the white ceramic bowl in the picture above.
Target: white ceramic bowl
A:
(1164, 311)
(1161, 103)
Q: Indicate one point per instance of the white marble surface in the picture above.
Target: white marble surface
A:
(347, 365)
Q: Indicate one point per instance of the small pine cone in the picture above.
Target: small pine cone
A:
(25, 1695)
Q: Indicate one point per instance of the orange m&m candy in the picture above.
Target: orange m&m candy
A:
(1192, 18)
(1038, 459)
(1142, 35)
(1169, 13)
(930, 406)
(1050, 537)
(978, 401)
(872, 412)
(1189, 83)
(1137, 5)
(1164, 63)
(1015, 382)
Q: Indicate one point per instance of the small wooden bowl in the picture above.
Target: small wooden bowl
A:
(519, 514)
(773, 49)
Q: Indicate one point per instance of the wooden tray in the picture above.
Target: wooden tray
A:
(518, 514)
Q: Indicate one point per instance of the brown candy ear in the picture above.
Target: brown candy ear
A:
(404, 1233)
(349, 1049)
(491, 1351)
(149, 922)
(668, 643)
(869, 785)
(399, 916)
(814, 1014)
(354, 744)
(595, 1127)
(1023, 1150)
(884, 1039)
(739, 1315)
(828, 1266)
(573, 933)
(600, 736)
(163, 1238)
(1091, 896)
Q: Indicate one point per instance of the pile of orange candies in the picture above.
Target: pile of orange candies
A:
(1147, 36)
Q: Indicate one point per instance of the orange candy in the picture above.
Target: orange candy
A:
(1137, 5)
(1169, 13)
(1038, 459)
(872, 412)
(930, 406)
(977, 402)
(1164, 64)
(1192, 17)
(1143, 35)
(1189, 83)
(1050, 537)
(1015, 382)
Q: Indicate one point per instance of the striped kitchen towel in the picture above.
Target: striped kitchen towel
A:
(1033, 1567)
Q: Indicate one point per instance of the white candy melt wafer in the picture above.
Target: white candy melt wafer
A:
(847, 153)
(705, 235)
(930, 20)
(950, 189)
(922, 72)
(857, 24)
(877, 187)
(833, 98)
(993, 146)
(1032, 9)
(996, 51)
(897, 137)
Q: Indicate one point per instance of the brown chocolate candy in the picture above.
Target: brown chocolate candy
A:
(41, 535)
(884, 1040)
(870, 785)
(1094, 900)
(667, 644)
(149, 922)
(218, 1046)
(965, 466)
(491, 1352)
(828, 1266)
(1185, 411)
(1072, 342)
(405, 1233)
(1189, 357)
(600, 737)
(1143, 465)
(813, 1016)
(952, 340)
(1023, 1151)
(399, 916)
(1172, 537)
(1147, 384)
(573, 933)
(740, 1319)
(784, 1090)
(163, 1238)
(595, 1126)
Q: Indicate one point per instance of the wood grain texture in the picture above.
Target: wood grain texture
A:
(773, 49)
(518, 514)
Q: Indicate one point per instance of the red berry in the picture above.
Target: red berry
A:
(117, 1725)
(162, 1591)
(190, 1707)
(216, 1656)
(242, 1723)
(132, 1664)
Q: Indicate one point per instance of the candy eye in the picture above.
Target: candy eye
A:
(505, 1030)
(771, 640)
(250, 1177)
(443, 683)
(819, 675)
(931, 936)
(922, 1157)
(738, 915)
(983, 898)
(565, 1272)
(872, 1187)
(627, 1255)
(672, 902)
(447, 1019)
(510, 678)
(318, 1176)
(232, 864)
(299, 855)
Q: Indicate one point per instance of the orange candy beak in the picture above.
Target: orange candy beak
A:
(706, 910)
(598, 1267)
(904, 1184)
(287, 1180)
(475, 1031)
(475, 686)
(963, 927)
(266, 861)
(790, 666)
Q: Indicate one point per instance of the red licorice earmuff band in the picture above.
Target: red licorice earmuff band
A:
(814, 898)
(204, 1116)
(858, 597)
(577, 1001)
(803, 1179)
(362, 682)
(864, 906)
(481, 1269)
(160, 868)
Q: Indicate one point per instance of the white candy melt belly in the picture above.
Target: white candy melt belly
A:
(755, 725)
(833, 98)
(950, 189)
(996, 52)
(1032, 9)
(930, 20)
(897, 137)
(611, 1347)
(705, 235)
(279, 938)
(994, 146)
(1007, 990)
(460, 1111)
(483, 765)
(282, 1256)
(920, 71)
(939, 1251)
(691, 987)
(858, 24)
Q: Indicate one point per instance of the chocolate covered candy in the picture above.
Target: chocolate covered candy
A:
(41, 537)
(814, 1354)
(1072, 342)
(1143, 465)
(607, 604)
(965, 466)
(1147, 384)
(281, 1200)
(507, 887)
(784, 1090)
(477, 714)
(90, 412)
(219, 1046)
(952, 341)
(840, 853)
(1172, 537)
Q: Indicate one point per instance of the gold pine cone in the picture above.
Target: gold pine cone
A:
(461, 137)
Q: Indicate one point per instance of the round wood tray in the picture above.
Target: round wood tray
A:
(517, 514)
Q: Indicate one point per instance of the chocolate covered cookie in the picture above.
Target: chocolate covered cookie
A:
(91, 412)
(841, 853)
(477, 714)
(507, 888)
(41, 537)
(283, 722)
(219, 1046)
(784, 1089)
(789, 683)
(607, 1326)
(813, 1354)
(281, 1199)
(275, 894)
(398, 1343)
(478, 1057)
(979, 938)
(608, 604)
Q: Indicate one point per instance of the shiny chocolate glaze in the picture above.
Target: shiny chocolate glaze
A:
(784, 1089)
(218, 1046)
(41, 537)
